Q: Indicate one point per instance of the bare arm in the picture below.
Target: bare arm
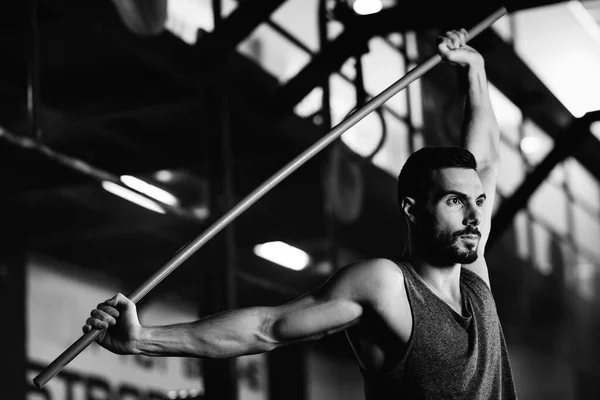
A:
(338, 304)
(480, 131)
(250, 330)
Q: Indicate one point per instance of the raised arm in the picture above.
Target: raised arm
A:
(480, 132)
(338, 304)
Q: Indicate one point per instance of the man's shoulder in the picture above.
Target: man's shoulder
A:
(375, 276)
(375, 267)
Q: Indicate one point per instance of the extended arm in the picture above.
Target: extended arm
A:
(250, 330)
(338, 304)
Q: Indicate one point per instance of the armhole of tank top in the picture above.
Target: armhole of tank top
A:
(409, 345)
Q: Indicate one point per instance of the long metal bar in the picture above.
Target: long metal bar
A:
(69, 354)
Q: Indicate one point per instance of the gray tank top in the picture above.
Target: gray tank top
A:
(448, 356)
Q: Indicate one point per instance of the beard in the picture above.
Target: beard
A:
(445, 248)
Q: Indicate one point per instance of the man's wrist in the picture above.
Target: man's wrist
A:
(476, 66)
(476, 76)
(138, 344)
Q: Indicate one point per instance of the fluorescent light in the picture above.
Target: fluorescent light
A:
(132, 196)
(150, 190)
(365, 7)
(283, 254)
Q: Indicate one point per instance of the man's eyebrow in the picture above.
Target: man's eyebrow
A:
(454, 192)
(460, 194)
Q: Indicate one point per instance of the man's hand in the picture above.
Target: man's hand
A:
(118, 317)
(453, 49)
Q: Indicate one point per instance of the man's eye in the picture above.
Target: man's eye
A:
(455, 200)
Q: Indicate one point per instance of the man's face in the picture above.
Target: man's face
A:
(448, 222)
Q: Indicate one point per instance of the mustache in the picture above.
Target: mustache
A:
(469, 230)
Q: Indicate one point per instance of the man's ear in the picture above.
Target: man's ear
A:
(407, 205)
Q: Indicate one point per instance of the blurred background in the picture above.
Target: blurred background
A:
(129, 127)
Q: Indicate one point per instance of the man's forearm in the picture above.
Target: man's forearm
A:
(481, 134)
(229, 334)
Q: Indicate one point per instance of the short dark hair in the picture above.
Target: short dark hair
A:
(414, 179)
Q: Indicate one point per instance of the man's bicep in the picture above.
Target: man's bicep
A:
(313, 316)
(337, 304)
(328, 309)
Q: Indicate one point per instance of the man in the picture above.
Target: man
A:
(423, 328)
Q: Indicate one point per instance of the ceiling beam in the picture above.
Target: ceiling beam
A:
(211, 48)
(401, 18)
(566, 143)
(330, 59)
(230, 32)
(509, 73)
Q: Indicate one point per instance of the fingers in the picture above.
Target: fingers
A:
(455, 39)
(105, 314)
(120, 301)
(453, 49)
(100, 320)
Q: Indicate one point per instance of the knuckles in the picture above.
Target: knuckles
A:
(105, 314)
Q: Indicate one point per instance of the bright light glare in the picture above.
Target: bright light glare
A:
(283, 254)
(200, 212)
(560, 43)
(150, 190)
(186, 17)
(531, 144)
(365, 7)
(172, 394)
(595, 129)
(132, 196)
(182, 394)
(164, 175)
(584, 18)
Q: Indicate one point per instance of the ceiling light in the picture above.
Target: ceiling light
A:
(164, 175)
(150, 190)
(283, 254)
(132, 196)
(531, 144)
(595, 129)
(366, 7)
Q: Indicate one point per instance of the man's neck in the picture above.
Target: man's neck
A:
(442, 280)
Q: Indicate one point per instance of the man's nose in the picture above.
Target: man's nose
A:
(473, 215)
